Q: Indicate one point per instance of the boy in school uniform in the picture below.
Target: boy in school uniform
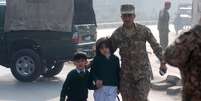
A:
(77, 83)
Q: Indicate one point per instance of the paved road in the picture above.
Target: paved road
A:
(48, 89)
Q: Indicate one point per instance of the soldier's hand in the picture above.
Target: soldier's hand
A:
(99, 83)
(163, 69)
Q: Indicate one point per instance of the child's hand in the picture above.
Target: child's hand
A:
(99, 83)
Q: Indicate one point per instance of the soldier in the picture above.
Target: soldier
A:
(185, 54)
(131, 39)
(163, 24)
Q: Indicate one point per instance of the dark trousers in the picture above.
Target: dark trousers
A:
(163, 38)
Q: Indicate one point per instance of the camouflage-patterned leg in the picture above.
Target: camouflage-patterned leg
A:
(193, 96)
(191, 89)
(142, 89)
(126, 96)
(124, 89)
(186, 96)
(135, 90)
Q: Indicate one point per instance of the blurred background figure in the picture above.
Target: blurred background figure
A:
(84, 12)
(163, 24)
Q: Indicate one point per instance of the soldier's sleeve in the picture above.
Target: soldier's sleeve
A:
(114, 39)
(154, 44)
(178, 53)
(171, 55)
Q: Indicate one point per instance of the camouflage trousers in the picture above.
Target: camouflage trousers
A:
(135, 90)
(191, 85)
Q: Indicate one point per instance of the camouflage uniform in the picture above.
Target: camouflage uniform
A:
(185, 54)
(163, 27)
(135, 68)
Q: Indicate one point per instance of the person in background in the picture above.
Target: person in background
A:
(131, 40)
(105, 70)
(84, 12)
(163, 24)
(185, 53)
(76, 85)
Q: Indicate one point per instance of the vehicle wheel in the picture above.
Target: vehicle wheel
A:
(54, 70)
(26, 65)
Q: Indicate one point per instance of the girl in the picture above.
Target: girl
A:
(105, 71)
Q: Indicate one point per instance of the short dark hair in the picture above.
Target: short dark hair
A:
(79, 55)
(103, 41)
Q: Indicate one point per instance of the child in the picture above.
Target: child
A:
(105, 70)
(78, 81)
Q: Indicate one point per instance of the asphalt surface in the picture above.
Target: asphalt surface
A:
(48, 89)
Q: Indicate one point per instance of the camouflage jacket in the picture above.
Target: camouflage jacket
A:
(132, 45)
(185, 53)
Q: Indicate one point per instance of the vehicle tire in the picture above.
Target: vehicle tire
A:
(54, 70)
(26, 65)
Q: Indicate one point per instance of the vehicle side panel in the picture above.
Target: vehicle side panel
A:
(52, 45)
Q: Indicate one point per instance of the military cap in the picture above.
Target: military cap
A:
(127, 9)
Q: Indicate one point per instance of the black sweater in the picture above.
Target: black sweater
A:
(106, 69)
(76, 86)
